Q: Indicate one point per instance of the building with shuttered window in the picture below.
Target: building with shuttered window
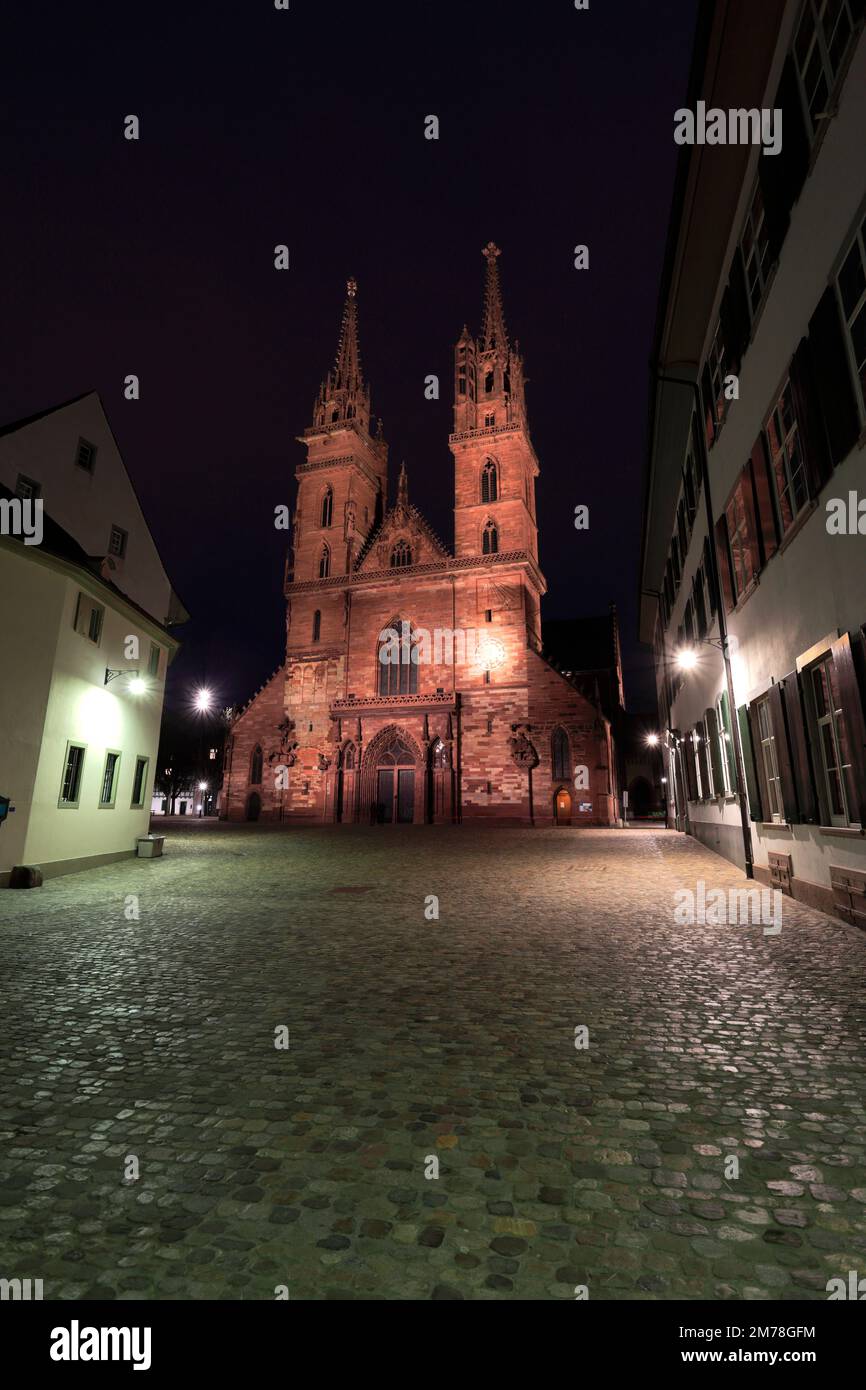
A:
(759, 377)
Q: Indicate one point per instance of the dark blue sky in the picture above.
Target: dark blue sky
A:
(306, 127)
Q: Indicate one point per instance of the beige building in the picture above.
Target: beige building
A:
(84, 630)
(763, 307)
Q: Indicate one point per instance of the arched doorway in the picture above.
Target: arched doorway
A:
(254, 806)
(395, 785)
(392, 779)
(562, 806)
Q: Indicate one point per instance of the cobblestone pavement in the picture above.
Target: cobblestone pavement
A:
(410, 1037)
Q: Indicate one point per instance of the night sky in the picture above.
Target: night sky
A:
(306, 127)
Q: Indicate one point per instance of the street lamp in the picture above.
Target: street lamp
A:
(203, 700)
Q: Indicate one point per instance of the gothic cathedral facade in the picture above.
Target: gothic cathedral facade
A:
(414, 688)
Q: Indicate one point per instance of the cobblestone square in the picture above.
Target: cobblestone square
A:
(410, 1038)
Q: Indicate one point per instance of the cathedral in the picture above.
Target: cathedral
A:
(415, 687)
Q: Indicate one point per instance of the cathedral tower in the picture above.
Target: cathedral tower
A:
(495, 466)
(342, 484)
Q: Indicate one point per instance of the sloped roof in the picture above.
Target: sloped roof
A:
(407, 520)
(41, 414)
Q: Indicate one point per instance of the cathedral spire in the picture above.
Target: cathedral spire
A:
(403, 488)
(347, 370)
(494, 335)
(343, 394)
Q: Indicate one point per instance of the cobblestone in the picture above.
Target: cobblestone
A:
(410, 1040)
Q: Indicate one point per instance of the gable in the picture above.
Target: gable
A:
(402, 529)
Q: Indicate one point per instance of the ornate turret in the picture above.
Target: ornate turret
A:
(488, 374)
(343, 395)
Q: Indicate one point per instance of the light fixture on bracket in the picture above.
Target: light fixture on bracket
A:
(136, 684)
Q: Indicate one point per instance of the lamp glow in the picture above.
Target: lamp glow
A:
(137, 686)
(687, 658)
(652, 740)
(203, 699)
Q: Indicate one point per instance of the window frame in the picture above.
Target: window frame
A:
(768, 763)
(70, 803)
(143, 762)
(109, 804)
(815, 725)
(831, 78)
(124, 538)
(760, 243)
(781, 457)
(36, 488)
(90, 467)
(858, 240)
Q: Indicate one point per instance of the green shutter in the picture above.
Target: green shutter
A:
(755, 809)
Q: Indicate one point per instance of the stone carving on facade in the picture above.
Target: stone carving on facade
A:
(324, 762)
(523, 753)
(286, 751)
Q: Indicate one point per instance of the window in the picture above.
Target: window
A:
(85, 455)
(489, 421)
(73, 766)
(490, 539)
(401, 555)
(489, 482)
(696, 742)
(317, 625)
(688, 624)
(786, 459)
(700, 605)
(109, 779)
(117, 542)
(819, 48)
(488, 383)
(559, 755)
(327, 507)
(831, 762)
(153, 663)
(716, 363)
(27, 487)
(256, 766)
(489, 725)
(397, 659)
(690, 491)
(726, 746)
(89, 617)
(705, 760)
(488, 615)
(768, 767)
(852, 292)
(682, 532)
(740, 538)
(139, 782)
(212, 753)
(324, 563)
(755, 248)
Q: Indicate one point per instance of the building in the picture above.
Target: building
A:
(756, 452)
(85, 614)
(414, 687)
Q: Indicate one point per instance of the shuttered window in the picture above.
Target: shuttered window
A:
(747, 742)
(820, 46)
(767, 762)
(852, 296)
(786, 459)
(714, 751)
(742, 535)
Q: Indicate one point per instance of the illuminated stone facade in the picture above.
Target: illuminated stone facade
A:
(414, 689)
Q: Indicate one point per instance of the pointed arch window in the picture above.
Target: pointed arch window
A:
(489, 482)
(256, 767)
(559, 754)
(488, 383)
(349, 758)
(401, 555)
(325, 562)
(490, 539)
(327, 507)
(397, 659)
(317, 625)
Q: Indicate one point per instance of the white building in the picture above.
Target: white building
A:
(763, 305)
(84, 618)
